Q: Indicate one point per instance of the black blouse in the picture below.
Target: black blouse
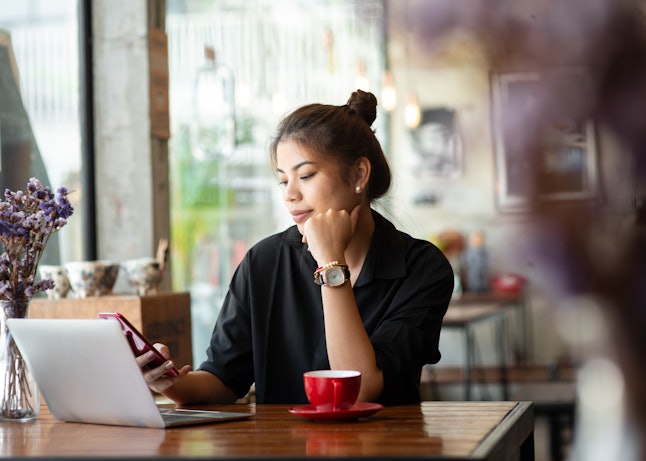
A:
(270, 329)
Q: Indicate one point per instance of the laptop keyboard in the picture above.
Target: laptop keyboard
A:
(177, 418)
(186, 415)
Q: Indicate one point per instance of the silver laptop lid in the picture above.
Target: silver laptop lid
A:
(86, 371)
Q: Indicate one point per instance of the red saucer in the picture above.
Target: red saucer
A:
(358, 410)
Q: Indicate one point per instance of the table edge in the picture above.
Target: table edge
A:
(520, 418)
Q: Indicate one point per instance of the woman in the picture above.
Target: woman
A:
(342, 289)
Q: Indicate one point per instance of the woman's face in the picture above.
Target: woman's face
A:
(310, 184)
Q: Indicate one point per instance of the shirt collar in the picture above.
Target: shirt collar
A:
(386, 256)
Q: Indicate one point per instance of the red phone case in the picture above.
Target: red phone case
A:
(138, 342)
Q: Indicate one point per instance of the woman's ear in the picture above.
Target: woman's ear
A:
(362, 168)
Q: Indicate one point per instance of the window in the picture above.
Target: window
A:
(39, 106)
(235, 68)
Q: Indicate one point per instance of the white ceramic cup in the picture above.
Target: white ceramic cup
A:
(84, 277)
(58, 275)
(144, 274)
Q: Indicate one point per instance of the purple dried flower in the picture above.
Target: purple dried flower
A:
(27, 219)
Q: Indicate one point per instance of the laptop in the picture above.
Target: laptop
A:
(87, 373)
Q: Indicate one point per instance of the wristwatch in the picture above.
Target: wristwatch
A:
(332, 275)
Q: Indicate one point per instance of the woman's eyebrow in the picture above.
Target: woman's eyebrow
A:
(297, 166)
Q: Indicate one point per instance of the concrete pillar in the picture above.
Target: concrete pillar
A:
(131, 138)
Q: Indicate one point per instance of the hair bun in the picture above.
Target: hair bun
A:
(363, 104)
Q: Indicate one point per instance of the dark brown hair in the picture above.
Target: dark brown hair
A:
(343, 133)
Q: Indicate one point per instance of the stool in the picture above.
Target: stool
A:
(555, 401)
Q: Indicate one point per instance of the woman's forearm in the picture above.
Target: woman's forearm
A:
(348, 344)
(200, 387)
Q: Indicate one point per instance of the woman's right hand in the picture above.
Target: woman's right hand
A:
(328, 234)
(156, 378)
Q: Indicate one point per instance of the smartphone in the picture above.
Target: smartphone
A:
(138, 342)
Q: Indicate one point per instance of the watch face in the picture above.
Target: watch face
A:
(334, 277)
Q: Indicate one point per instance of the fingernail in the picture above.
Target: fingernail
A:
(168, 365)
(150, 355)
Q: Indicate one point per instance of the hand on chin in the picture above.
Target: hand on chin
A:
(301, 229)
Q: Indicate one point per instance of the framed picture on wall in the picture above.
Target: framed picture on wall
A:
(543, 151)
(436, 143)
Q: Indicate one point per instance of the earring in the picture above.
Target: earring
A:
(357, 189)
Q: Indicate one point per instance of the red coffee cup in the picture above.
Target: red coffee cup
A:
(332, 389)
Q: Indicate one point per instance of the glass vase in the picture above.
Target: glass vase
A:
(20, 400)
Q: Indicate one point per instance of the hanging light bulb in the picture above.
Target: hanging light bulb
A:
(243, 95)
(388, 92)
(412, 113)
(362, 82)
(213, 127)
(278, 102)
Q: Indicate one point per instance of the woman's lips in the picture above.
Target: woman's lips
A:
(299, 216)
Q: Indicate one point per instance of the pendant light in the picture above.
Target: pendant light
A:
(412, 112)
(388, 92)
(362, 82)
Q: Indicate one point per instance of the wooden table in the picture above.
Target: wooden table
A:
(432, 430)
(466, 318)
